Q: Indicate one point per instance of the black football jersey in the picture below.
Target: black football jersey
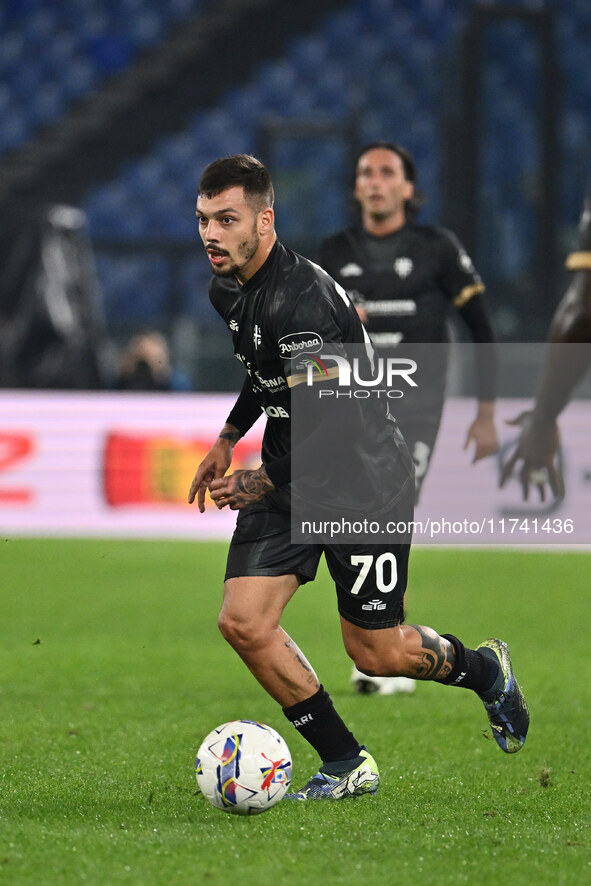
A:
(406, 281)
(291, 306)
(580, 259)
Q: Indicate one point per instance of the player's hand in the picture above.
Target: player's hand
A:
(484, 434)
(536, 448)
(213, 467)
(240, 489)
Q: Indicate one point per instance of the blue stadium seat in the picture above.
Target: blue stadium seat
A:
(381, 64)
(343, 32)
(66, 48)
(135, 289)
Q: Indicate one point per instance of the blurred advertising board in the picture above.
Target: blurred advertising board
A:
(111, 464)
(118, 464)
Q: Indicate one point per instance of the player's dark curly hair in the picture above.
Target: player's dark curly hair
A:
(409, 167)
(240, 170)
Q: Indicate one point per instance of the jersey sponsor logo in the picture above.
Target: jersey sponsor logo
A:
(404, 267)
(352, 269)
(233, 325)
(294, 343)
(256, 336)
(385, 339)
(276, 412)
(259, 382)
(279, 383)
(401, 307)
(374, 605)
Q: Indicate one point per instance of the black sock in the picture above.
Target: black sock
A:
(471, 669)
(317, 721)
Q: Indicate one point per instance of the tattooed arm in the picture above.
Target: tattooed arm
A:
(240, 489)
(244, 414)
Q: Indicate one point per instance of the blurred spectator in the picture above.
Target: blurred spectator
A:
(146, 366)
(51, 313)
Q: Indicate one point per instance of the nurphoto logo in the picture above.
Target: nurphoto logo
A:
(388, 370)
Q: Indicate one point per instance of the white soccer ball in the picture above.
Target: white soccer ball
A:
(243, 767)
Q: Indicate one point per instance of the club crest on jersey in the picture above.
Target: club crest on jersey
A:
(233, 326)
(351, 270)
(294, 343)
(403, 267)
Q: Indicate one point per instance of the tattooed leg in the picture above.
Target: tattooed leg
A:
(420, 652)
(281, 668)
(433, 656)
(249, 621)
(302, 661)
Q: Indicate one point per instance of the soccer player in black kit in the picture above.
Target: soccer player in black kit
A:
(270, 297)
(406, 279)
(567, 359)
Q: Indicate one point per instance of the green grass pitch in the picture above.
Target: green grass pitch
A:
(112, 671)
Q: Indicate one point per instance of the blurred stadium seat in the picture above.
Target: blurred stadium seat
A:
(67, 48)
(378, 64)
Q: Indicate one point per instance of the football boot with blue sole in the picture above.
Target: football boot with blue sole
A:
(507, 709)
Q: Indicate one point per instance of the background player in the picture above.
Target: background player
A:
(404, 279)
(567, 358)
(282, 297)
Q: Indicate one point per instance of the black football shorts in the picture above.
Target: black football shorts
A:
(370, 579)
